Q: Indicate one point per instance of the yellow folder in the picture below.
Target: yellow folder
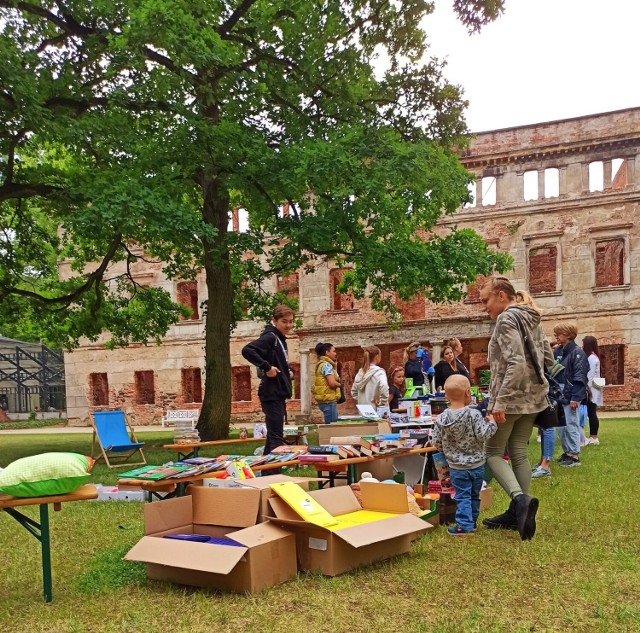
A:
(302, 504)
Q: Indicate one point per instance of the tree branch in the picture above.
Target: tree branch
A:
(236, 16)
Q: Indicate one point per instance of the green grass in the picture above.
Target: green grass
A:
(580, 573)
(32, 424)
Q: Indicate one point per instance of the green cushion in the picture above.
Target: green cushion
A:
(46, 474)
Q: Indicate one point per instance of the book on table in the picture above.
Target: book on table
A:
(155, 472)
(309, 459)
(323, 449)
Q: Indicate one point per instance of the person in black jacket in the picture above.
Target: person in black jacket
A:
(413, 364)
(270, 355)
(446, 367)
(574, 379)
(456, 345)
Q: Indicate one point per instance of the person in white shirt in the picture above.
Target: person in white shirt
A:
(370, 386)
(594, 391)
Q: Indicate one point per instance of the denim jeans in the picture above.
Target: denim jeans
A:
(329, 410)
(467, 484)
(548, 443)
(570, 434)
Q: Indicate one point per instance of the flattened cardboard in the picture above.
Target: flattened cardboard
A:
(336, 501)
(167, 515)
(384, 497)
(384, 530)
(233, 507)
(217, 559)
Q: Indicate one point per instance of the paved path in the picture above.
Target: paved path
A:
(603, 415)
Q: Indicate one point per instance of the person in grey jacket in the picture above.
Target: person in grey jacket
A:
(460, 432)
(515, 398)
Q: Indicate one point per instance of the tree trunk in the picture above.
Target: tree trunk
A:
(215, 415)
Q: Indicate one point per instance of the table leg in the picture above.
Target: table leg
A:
(352, 475)
(45, 542)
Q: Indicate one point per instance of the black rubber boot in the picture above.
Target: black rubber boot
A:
(506, 521)
(526, 508)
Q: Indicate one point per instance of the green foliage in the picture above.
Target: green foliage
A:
(131, 128)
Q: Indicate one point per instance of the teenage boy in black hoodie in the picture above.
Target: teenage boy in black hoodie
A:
(270, 355)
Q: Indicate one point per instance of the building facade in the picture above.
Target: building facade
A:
(561, 197)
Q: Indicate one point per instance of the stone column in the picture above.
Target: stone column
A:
(562, 181)
(541, 188)
(584, 171)
(305, 387)
(478, 191)
(606, 180)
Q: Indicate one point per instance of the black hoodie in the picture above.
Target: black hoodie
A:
(266, 352)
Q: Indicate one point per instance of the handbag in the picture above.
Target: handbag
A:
(548, 418)
(341, 399)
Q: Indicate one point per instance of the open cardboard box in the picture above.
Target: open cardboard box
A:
(263, 485)
(335, 552)
(267, 558)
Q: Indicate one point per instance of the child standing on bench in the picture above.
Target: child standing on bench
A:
(460, 432)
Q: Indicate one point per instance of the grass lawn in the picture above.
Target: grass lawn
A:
(581, 572)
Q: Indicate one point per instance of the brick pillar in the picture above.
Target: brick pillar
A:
(562, 181)
(235, 220)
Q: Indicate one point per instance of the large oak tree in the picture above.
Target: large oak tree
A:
(143, 122)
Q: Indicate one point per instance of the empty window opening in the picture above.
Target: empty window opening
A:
(609, 263)
(471, 188)
(188, 296)
(288, 284)
(596, 176)
(191, 384)
(339, 301)
(488, 191)
(99, 390)
(543, 269)
(144, 387)
(531, 185)
(551, 182)
(241, 383)
(612, 364)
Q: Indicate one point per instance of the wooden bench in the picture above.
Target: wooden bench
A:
(174, 415)
(41, 530)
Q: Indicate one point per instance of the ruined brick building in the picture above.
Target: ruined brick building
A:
(562, 197)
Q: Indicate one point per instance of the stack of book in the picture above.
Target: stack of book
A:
(329, 453)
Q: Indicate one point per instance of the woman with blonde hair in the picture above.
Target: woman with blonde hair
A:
(516, 396)
(455, 344)
(370, 386)
(446, 367)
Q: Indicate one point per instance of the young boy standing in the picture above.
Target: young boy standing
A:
(460, 433)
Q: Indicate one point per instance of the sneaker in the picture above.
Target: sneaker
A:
(539, 471)
(458, 531)
(571, 461)
(562, 457)
(593, 441)
(505, 521)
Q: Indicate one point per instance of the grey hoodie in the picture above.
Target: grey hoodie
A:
(461, 435)
(371, 387)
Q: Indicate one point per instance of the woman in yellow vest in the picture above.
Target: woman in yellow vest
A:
(326, 386)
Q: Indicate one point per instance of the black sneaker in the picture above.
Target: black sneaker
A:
(571, 461)
(562, 457)
(505, 521)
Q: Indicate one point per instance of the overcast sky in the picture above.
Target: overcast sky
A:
(542, 60)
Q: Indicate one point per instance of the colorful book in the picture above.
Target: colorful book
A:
(308, 459)
(323, 449)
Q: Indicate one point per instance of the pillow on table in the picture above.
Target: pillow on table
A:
(45, 474)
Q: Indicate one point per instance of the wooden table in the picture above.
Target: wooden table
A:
(41, 530)
(177, 486)
(191, 449)
(348, 466)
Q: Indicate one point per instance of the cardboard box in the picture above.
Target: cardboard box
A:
(263, 485)
(335, 552)
(486, 498)
(448, 505)
(267, 558)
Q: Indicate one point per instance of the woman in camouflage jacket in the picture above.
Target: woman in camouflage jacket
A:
(515, 398)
